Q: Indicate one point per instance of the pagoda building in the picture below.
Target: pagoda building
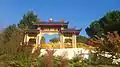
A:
(52, 27)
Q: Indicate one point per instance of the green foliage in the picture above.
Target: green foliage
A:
(54, 40)
(14, 55)
(42, 40)
(109, 43)
(97, 59)
(6, 34)
(24, 58)
(109, 22)
(105, 38)
(106, 45)
(82, 39)
(26, 21)
(48, 60)
(94, 29)
(75, 62)
(10, 46)
(11, 53)
(42, 63)
(68, 40)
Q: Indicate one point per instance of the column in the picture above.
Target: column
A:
(26, 38)
(74, 41)
(38, 38)
(61, 41)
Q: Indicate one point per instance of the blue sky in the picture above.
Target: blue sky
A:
(80, 13)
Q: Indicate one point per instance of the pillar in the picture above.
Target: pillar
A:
(26, 38)
(62, 41)
(38, 38)
(74, 41)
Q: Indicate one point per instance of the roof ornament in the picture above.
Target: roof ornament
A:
(50, 20)
(62, 20)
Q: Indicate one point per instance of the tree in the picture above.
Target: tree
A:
(8, 32)
(108, 44)
(42, 41)
(10, 39)
(54, 40)
(109, 22)
(82, 39)
(26, 21)
(104, 39)
(94, 29)
(68, 40)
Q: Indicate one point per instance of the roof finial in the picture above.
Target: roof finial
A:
(62, 20)
(50, 20)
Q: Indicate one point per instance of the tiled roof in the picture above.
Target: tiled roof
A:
(31, 31)
(71, 30)
(50, 23)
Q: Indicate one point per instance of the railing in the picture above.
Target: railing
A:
(65, 45)
(56, 45)
(50, 46)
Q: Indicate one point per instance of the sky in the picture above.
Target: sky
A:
(80, 13)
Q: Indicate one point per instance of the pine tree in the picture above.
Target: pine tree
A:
(26, 21)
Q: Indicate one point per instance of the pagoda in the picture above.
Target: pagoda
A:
(52, 27)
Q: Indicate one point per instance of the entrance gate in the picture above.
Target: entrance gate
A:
(52, 27)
